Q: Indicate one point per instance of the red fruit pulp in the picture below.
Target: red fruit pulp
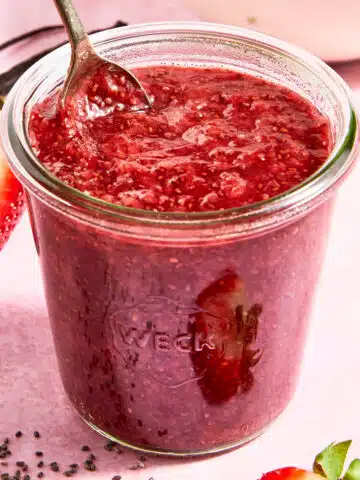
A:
(163, 347)
(215, 139)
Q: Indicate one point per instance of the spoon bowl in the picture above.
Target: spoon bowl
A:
(85, 61)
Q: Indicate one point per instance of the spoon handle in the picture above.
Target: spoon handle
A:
(72, 23)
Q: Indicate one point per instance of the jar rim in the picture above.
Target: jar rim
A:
(36, 176)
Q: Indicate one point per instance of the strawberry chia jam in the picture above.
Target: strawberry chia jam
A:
(167, 347)
(179, 252)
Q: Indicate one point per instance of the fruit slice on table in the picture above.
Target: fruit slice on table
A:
(11, 199)
(225, 362)
(328, 464)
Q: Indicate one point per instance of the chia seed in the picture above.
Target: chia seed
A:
(18, 434)
(138, 466)
(40, 474)
(85, 448)
(36, 434)
(54, 466)
(74, 465)
(39, 454)
(109, 446)
(40, 464)
(91, 467)
(116, 477)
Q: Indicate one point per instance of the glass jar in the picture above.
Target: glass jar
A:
(182, 333)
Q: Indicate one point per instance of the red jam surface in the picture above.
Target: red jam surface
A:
(215, 139)
(166, 348)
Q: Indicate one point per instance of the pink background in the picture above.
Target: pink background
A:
(326, 405)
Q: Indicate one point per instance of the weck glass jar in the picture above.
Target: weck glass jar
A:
(182, 333)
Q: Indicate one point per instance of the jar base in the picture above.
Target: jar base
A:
(169, 453)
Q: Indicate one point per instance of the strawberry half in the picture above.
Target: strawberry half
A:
(226, 365)
(328, 464)
(291, 473)
(11, 200)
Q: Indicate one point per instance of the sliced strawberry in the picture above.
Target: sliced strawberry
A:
(225, 365)
(328, 464)
(11, 200)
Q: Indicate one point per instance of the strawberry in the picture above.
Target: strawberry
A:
(11, 199)
(224, 364)
(328, 464)
(291, 473)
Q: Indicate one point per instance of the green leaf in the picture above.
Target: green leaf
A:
(330, 462)
(353, 472)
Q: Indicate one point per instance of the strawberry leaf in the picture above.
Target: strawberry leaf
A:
(330, 462)
(353, 472)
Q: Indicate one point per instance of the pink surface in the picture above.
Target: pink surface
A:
(325, 408)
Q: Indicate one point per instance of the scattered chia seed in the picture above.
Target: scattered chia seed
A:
(54, 466)
(88, 464)
(138, 466)
(110, 446)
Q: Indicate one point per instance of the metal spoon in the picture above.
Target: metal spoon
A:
(84, 60)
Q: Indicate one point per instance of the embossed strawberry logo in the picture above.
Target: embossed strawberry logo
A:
(233, 326)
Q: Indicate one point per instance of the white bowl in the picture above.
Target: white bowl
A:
(327, 28)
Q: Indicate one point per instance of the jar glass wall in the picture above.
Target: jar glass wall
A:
(182, 333)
